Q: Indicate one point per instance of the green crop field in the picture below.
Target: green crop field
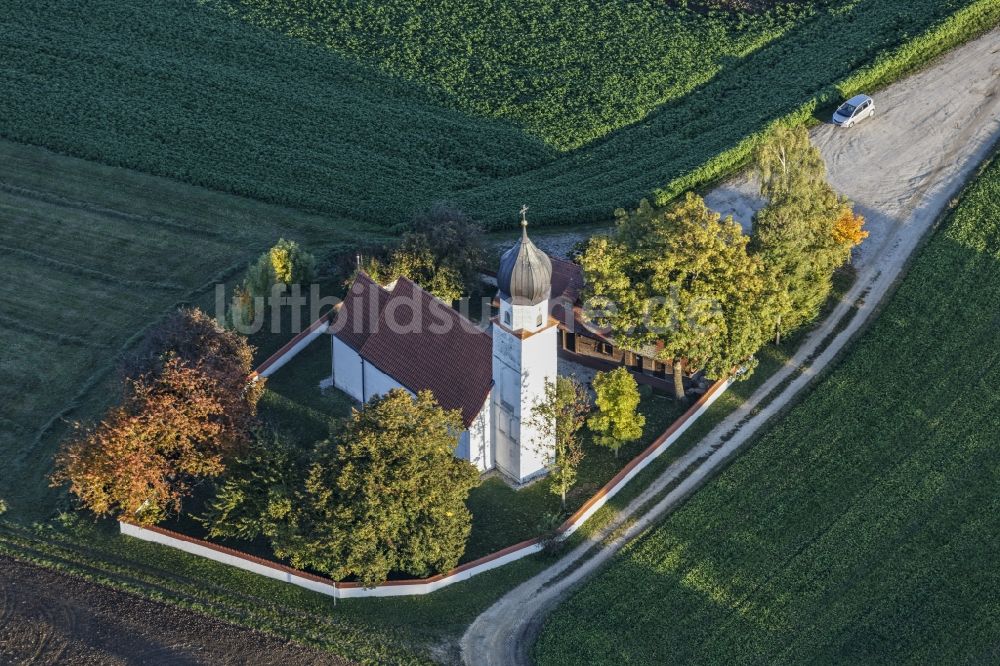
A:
(863, 527)
(368, 110)
(207, 129)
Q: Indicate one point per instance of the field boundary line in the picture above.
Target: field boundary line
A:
(104, 211)
(74, 269)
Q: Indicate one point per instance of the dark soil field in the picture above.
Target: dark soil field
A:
(51, 618)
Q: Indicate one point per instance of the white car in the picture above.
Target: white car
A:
(854, 111)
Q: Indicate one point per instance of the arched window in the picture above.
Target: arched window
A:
(538, 322)
(506, 317)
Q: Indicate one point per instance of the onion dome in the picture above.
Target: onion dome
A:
(525, 275)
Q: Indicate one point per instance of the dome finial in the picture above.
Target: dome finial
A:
(525, 273)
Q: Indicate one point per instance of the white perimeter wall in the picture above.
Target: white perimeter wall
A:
(202, 549)
(329, 588)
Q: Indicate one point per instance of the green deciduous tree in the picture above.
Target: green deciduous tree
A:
(558, 418)
(680, 285)
(806, 230)
(258, 491)
(415, 261)
(441, 250)
(290, 264)
(285, 263)
(388, 495)
(454, 239)
(617, 420)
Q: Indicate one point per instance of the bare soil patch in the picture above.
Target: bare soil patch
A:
(52, 618)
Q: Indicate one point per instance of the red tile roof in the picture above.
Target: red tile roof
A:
(420, 342)
(567, 284)
(567, 278)
(359, 313)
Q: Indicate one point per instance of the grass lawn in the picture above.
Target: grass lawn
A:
(863, 526)
(502, 516)
(91, 256)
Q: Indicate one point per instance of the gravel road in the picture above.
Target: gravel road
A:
(51, 618)
(901, 168)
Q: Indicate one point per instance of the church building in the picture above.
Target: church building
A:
(400, 336)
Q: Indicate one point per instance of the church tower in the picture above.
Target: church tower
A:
(524, 359)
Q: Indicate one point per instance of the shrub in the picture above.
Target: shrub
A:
(291, 264)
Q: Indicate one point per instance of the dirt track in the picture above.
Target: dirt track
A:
(50, 618)
(908, 156)
(901, 168)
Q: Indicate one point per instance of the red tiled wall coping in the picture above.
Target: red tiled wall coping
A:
(288, 346)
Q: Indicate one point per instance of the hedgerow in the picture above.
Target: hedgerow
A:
(862, 527)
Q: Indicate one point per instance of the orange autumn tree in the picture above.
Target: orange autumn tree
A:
(186, 407)
(224, 355)
(847, 230)
(140, 459)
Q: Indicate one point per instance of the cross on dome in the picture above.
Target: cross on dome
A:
(525, 274)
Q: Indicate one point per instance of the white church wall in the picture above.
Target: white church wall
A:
(347, 369)
(363, 381)
(539, 359)
(357, 378)
(479, 440)
(378, 383)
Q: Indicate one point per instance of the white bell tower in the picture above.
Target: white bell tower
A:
(524, 359)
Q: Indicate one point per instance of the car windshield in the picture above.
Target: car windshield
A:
(846, 109)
